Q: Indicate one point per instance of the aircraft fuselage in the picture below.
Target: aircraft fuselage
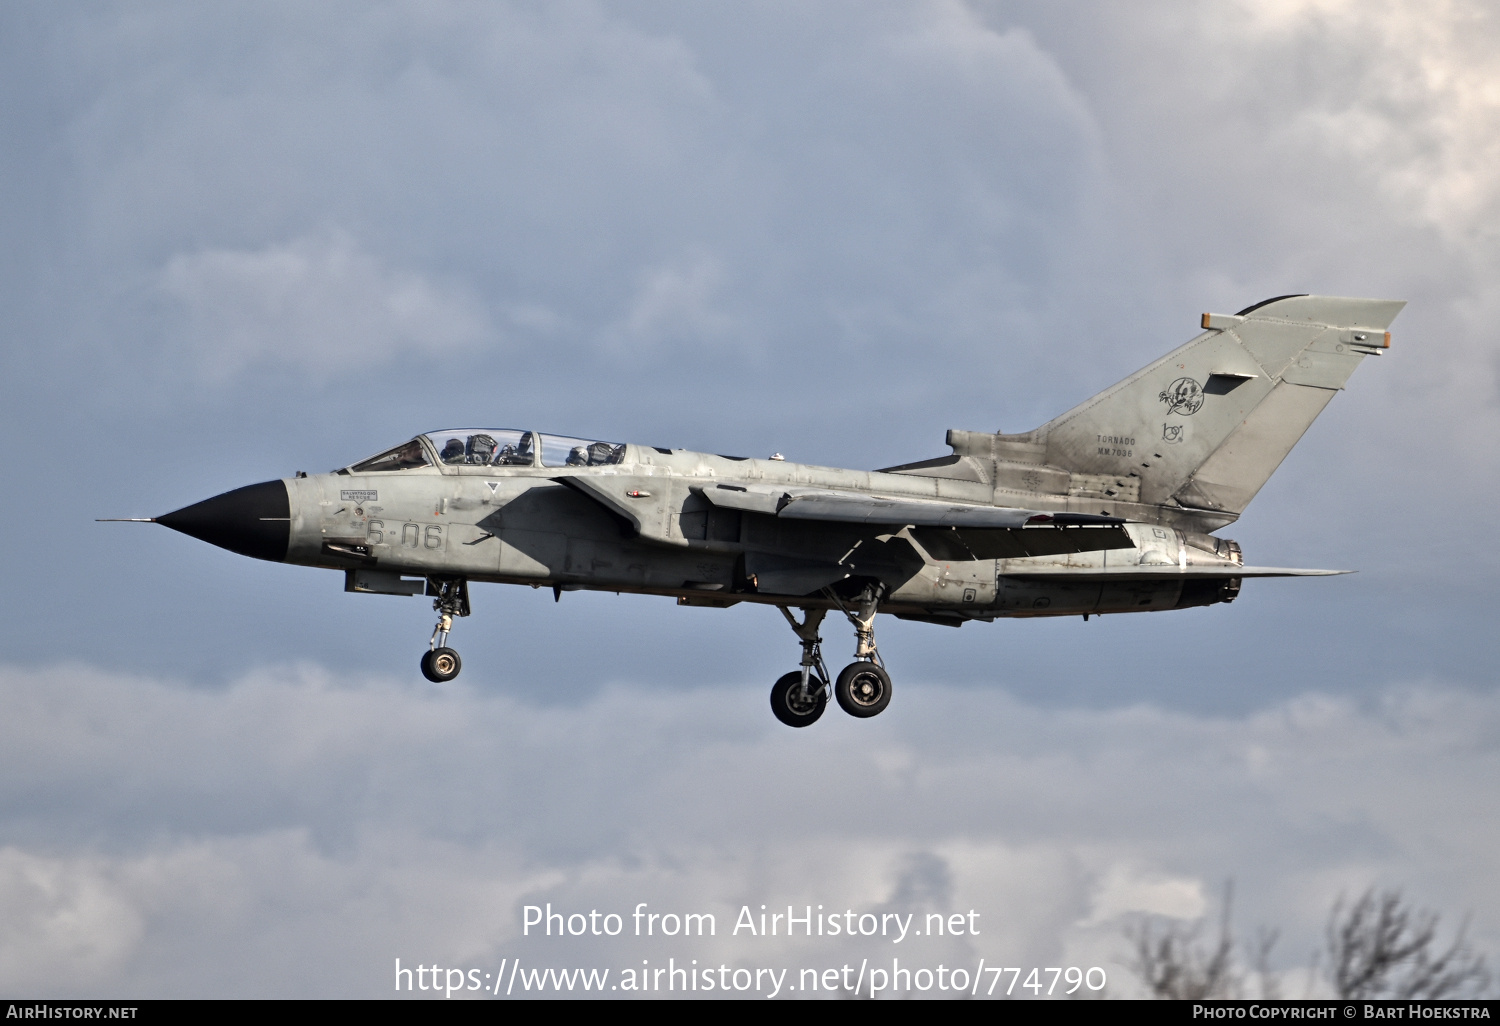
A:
(644, 526)
(1109, 507)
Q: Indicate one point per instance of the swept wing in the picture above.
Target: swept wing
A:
(987, 532)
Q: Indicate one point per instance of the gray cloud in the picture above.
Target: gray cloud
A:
(248, 239)
(674, 303)
(319, 304)
(299, 830)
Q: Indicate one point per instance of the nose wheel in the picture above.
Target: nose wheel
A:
(440, 663)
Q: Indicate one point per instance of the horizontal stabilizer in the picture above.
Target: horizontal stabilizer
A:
(1149, 573)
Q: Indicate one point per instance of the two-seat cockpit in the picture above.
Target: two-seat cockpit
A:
(493, 447)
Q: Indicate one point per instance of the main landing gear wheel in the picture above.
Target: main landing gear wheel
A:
(863, 689)
(793, 708)
(441, 665)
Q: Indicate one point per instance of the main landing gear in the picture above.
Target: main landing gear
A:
(441, 663)
(798, 698)
(862, 689)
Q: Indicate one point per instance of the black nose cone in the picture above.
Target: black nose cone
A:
(253, 521)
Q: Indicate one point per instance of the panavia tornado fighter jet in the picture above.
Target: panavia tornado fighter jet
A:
(1109, 508)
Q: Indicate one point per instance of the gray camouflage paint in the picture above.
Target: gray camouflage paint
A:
(1177, 449)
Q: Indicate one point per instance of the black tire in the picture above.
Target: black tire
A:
(863, 689)
(441, 665)
(787, 703)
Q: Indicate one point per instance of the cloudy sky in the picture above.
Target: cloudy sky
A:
(243, 240)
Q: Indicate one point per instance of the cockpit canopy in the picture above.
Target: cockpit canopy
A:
(494, 447)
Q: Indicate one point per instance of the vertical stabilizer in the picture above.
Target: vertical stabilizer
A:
(1205, 426)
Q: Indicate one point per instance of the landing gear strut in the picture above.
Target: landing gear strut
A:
(441, 663)
(863, 689)
(798, 698)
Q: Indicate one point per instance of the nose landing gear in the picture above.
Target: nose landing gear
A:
(440, 663)
(863, 688)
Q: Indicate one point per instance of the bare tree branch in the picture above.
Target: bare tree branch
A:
(1377, 947)
(1265, 940)
(1170, 960)
(1380, 947)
